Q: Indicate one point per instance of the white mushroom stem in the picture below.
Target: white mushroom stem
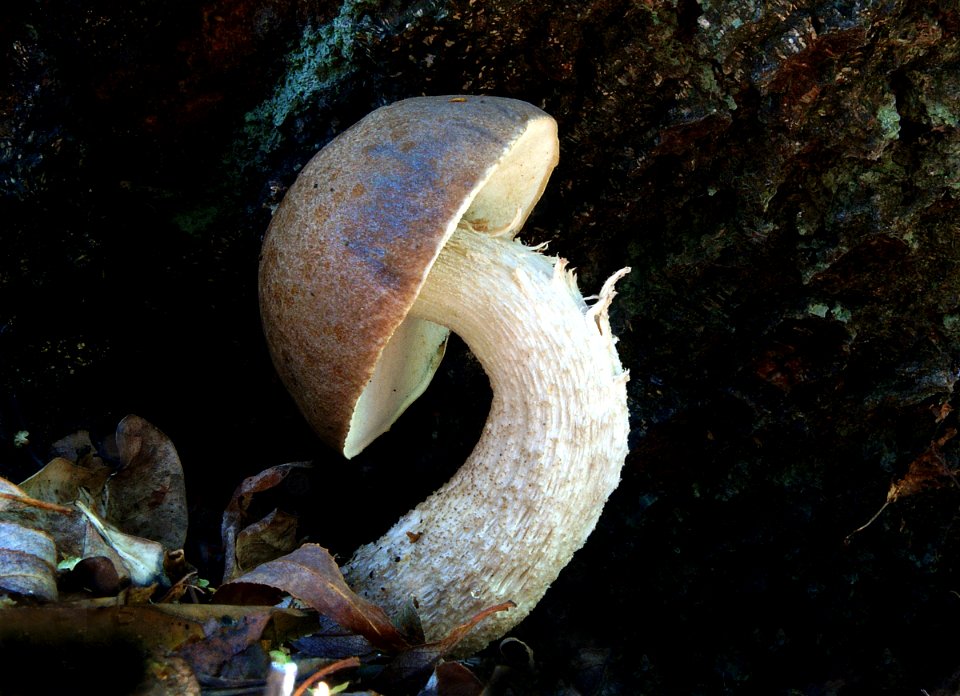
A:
(550, 454)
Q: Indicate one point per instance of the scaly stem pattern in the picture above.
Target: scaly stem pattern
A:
(550, 454)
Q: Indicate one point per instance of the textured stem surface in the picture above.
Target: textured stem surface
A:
(550, 454)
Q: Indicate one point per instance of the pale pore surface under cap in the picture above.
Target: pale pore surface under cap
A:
(550, 454)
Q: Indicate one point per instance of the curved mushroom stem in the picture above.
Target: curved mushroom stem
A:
(550, 454)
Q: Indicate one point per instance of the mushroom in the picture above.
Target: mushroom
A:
(399, 230)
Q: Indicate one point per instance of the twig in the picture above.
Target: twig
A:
(346, 663)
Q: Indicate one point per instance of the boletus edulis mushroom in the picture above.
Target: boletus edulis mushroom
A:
(398, 231)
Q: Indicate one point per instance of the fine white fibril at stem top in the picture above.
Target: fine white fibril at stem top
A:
(549, 456)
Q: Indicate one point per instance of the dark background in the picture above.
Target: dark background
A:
(783, 177)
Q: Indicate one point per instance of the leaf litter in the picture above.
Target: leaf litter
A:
(91, 554)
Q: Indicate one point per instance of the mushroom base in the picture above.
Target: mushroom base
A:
(549, 456)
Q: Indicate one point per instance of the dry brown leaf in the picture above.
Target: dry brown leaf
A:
(311, 575)
(28, 562)
(263, 481)
(63, 523)
(235, 516)
(147, 496)
(406, 670)
(89, 543)
(66, 501)
(418, 659)
(929, 471)
(222, 646)
(140, 559)
(10, 493)
(454, 679)
(75, 535)
(72, 531)
(926, 472)
(77, 448)
(267, 539)
(60, 481)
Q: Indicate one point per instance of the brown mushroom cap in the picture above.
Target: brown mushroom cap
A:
(350, 245)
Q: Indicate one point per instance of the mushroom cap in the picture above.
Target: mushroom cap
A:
(355, 236)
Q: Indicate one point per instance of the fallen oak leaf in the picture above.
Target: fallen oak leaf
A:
(311, 575)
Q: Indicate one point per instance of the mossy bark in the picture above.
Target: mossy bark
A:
(782, 177)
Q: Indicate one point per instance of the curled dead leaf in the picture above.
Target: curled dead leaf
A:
(311, 575)
(237, 552)
(147, 496)
(141, 558)
(266, 539)
(28, 562)
(60, 481)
